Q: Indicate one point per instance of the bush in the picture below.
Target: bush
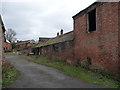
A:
(9, 73)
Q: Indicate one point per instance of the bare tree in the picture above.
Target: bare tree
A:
(10, 35)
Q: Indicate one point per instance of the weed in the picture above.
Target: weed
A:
(9, 74)
(84, 74)
(88, 61)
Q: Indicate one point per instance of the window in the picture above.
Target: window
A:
(55, 47)
(63, 46)
(92, 20)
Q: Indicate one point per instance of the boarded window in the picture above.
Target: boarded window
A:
(92, 20)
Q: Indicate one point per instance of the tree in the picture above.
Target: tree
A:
(13, 45)
(10, 35)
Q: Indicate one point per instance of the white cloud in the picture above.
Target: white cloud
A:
(41, 18)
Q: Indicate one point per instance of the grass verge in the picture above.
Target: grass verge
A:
(9, 53)
(77, 72)
(9, 74)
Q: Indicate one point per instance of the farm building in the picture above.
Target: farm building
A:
(94, 41)
(56, 46)
(7, 47)
(96, 36)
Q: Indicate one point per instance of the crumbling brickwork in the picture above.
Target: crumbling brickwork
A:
(1, 41)
(102, 45)
(119, 33)
(60, 47)
(2, 30)
(95, 41)
(62, 50)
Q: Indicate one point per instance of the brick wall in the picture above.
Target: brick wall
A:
(101, 46)
(63, 51)
(7, 47)
(119, 31)
(1, 44)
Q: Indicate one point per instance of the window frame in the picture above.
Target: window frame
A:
(87, 16)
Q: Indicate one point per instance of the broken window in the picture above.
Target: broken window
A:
(92, 20)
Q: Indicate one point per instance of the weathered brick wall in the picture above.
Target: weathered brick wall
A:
(1, 44)
(119, 32)
(63, 51)
(101, 46)
(7, 47)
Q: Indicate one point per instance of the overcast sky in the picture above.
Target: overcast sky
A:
(40, 18)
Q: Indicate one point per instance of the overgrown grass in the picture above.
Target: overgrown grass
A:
(78, 72)
(0, 77)
(9, 53)
(9, 74)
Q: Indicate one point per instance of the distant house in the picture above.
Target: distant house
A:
(7, 47)
(2, 38)
(35, 47)
(42, 40)
(24, 46)
(30, 44)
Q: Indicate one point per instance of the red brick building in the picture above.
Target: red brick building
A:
(24, 46)
(30, 44)
(96, 36)
(55, 47)
(95, 41)
(7, 47)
